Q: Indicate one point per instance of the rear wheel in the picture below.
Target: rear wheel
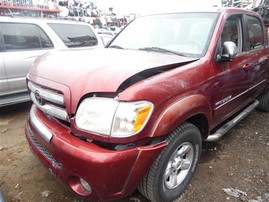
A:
(264, 102)
(172, 171)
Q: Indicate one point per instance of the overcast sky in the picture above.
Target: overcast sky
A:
(150, 6)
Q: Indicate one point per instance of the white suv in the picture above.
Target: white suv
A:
(23, 40)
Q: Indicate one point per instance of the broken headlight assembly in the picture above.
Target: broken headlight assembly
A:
(111, 117)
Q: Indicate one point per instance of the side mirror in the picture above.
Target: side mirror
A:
(229, 52)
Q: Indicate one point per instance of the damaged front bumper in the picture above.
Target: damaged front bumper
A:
(87, 169)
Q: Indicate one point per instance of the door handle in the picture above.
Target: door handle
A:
(246, 66)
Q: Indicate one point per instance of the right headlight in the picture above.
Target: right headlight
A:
(114, 118)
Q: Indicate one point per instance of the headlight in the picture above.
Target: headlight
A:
(113, 118)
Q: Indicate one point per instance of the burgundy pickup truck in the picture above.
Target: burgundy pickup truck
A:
(134, 114)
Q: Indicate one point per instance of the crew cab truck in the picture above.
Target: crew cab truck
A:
(134, 115)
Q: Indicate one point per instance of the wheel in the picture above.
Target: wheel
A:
(172, 171)
(264, 102)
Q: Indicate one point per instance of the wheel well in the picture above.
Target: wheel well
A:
(200, 121)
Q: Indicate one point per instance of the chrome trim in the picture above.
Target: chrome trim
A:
(47, 94)
(42, 150)
(233, 98)
(39, 127)
(50, 109)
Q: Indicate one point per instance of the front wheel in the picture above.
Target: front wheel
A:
(172, 171)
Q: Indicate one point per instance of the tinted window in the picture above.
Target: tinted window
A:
(255, 33)
(74, 35)
(21, 36)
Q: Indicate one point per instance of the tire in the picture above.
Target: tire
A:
(264, 102)
(169, 176)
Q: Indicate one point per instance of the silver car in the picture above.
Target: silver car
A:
(23, 40)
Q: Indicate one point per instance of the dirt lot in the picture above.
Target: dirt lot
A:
(240, 160)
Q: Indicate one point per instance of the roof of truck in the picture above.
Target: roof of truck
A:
(205, 10)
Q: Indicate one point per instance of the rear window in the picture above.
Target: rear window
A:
(75, 35)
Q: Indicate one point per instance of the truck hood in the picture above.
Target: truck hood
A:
(100, 70)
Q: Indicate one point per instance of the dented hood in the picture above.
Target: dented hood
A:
(99, 70)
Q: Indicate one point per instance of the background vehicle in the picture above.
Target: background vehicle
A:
(138, 118)
(22, 40)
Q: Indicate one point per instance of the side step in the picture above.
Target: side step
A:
(226, 127)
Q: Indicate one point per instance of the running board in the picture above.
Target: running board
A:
(225, 128)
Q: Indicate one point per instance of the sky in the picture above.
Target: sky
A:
(121, 7)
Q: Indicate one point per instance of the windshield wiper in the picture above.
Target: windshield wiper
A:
(115, 46)
(162, 50)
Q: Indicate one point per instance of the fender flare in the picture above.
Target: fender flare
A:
(180, 111)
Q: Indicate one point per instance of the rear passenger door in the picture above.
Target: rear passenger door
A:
(4, 89)
(257, 65)
(23, 43)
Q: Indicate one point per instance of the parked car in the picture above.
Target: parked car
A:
(138, 118)
(104, 31)
(114, 29)
(23, 40)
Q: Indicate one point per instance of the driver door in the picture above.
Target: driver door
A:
(233, 79)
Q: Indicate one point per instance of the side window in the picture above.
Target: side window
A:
(74, 35)
(255, 33)
(232, 31)
(21, 36)
(44, 39)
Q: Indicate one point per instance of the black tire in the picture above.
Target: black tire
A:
(264, 102)
(184, 144)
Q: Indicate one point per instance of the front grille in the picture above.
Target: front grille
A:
(49, 101)
(42, 150)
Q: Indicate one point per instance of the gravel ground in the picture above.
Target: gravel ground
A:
(239, 161)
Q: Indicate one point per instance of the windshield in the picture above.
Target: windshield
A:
(184, 34)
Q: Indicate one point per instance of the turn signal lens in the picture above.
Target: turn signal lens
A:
(130, 118)
(141, 117)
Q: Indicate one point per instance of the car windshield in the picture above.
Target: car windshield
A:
(75, 35)
(185, 34)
